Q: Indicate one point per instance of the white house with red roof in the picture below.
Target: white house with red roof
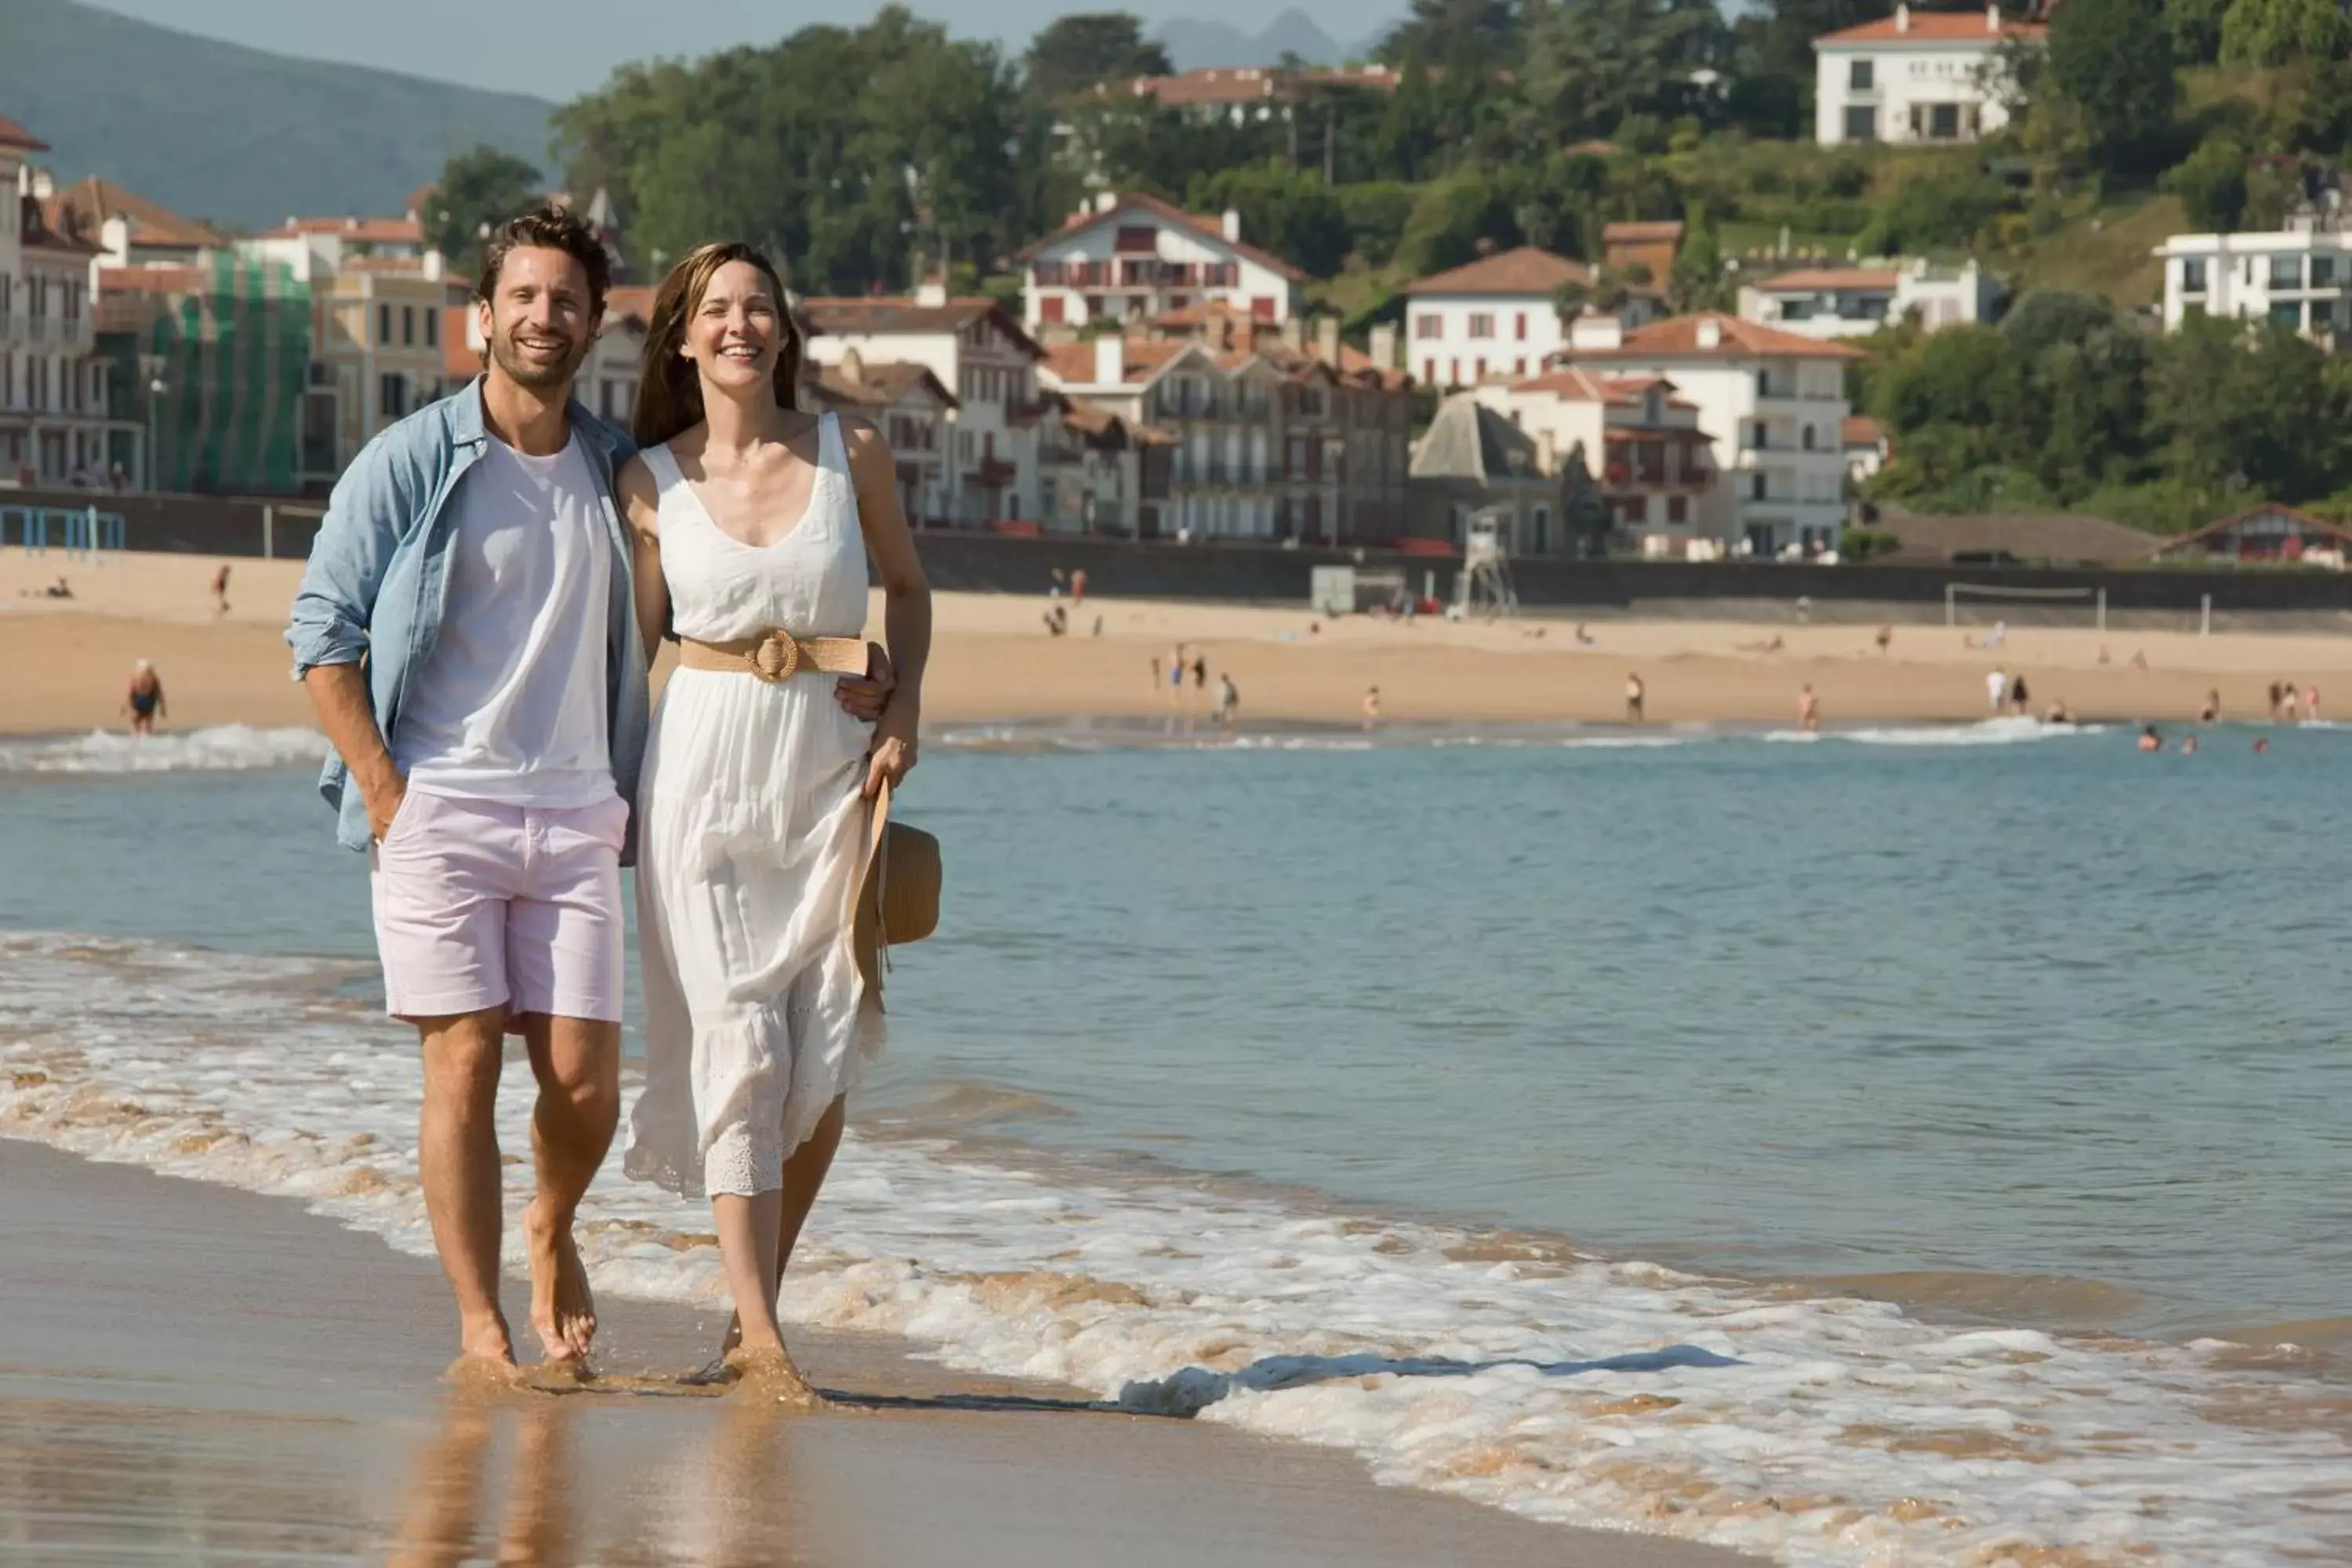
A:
(1133, 258)
(982, 356)
(1773, 406)
(1494, 318)
(1638, 440)
(1855, 301)
(1916, 76)
(54, 417)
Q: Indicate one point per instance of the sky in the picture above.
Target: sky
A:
(560, 49)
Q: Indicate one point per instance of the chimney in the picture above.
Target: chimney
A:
(1106, 202)
(852, 367)
(931, 294)
(1294, 335)
(1327, 341)
(1110, 360)
(1591, 332)
(45, 185)
(435, 267)
(1384, 345)
(1546, 454)
(1710, 332)
(1992, 18)
(1233, 225)
(1902, 19)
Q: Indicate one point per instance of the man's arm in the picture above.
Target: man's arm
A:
(340, 693)
(327, 629)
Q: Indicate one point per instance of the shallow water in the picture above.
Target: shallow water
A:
(2017, 1026)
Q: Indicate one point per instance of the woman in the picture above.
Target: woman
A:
(751, 518)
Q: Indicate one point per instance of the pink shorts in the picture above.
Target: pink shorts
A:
(480, 905)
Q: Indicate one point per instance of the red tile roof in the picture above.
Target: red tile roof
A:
(1861, 430)
(1210, 228)
(1814, 279)
(374, 230)
(1936, 27)
(1678, 338)
(881, 383)
(82, 207)
(858, 316)
(15, 135)
(1662, 228)
(1252, 84)
(1575, 385)
(1073, 364)
(151, 279)
(624, 300)
(1527, 271)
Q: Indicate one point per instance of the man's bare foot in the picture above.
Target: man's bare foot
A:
(485, 1357)
(562, 1308)
(770, 1377)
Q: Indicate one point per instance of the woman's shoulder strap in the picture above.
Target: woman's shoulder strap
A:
(663, 467)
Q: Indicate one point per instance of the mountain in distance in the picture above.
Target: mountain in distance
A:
(239, 137)
(1197, 46)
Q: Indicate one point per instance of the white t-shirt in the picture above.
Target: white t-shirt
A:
(509, 705)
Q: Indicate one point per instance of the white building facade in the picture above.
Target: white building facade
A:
(1916, 76)
(1773, 405)
(1129, 258)
(1831, 303)
(2297, 279)
(1496, 318)
(980, 354)
(54, 419)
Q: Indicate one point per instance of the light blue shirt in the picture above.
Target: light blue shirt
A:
(378, 582)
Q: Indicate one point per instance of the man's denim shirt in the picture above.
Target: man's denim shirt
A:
(378, 582)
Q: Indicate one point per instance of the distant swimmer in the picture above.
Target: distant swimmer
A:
(1371, 708)
(1808, 710)
(1635, 696)
(2188, 745)
(2058, 713)
(2150, 739)
(144, 700)
(2262, 744)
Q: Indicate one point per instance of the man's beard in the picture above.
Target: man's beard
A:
(537, 376)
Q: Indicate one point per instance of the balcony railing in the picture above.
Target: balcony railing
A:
(24, 329)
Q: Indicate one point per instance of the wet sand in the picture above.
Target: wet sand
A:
(67, 662)
(193, 1374)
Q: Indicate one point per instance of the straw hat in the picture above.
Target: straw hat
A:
(899, 900)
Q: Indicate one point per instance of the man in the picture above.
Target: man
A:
(144, 700)
(466, 632)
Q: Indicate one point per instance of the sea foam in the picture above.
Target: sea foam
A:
(213, 748)
(1518, 1371)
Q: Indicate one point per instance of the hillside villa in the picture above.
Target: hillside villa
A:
(1496, 317)
(1915, 76)
(2296, 276)
(1123, 258)
(1855, 301)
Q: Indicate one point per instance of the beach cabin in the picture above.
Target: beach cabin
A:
(2270, 535)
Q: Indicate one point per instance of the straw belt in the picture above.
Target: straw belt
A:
(775, 655)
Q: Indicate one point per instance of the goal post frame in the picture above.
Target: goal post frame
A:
(1953, 589)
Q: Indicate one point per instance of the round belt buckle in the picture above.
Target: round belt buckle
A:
(775, 658)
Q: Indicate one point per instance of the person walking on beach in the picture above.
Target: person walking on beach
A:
(144, 700)
(1808, 710)
(464, 630)
(2021, 700)
(1996, 688)
(1371, 708)
(1636, 694)
(765, 777)
(1229, 700)
(220, 591)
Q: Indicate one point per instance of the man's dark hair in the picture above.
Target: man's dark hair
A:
(548, 228)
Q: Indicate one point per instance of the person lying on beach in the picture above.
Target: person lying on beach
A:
(56, 590)
(144, 700)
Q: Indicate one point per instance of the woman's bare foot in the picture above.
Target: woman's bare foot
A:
(767, 1375)
(485, 1356)
(562, 1308)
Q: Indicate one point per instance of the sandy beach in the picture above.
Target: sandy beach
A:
(191, 1372)
(67, 661)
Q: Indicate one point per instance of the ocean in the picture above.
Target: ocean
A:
(1852, 1149)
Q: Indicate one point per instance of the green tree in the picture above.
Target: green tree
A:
(1296, 216)
(2196, 30)
(1478, 32)
(2281, 32)
(477, 190)
(1590, 64)
(2211, 183)
(2113, 59)
(1080, 51)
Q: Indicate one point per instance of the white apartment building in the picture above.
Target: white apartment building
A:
(54, 421)
(1641, 444)
(1220, 411)
(1916, 76)
(1129, 258)
(2296, 277)
(1855, 301)
(1495, 318)
(1773, 405)
(981, 354)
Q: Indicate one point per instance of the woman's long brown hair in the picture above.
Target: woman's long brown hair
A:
(670, 388)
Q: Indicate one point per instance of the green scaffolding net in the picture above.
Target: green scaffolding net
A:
(226, 367)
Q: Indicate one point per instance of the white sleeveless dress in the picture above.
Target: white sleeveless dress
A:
(750, 851)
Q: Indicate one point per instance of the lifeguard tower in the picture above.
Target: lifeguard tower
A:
(1484, 586)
